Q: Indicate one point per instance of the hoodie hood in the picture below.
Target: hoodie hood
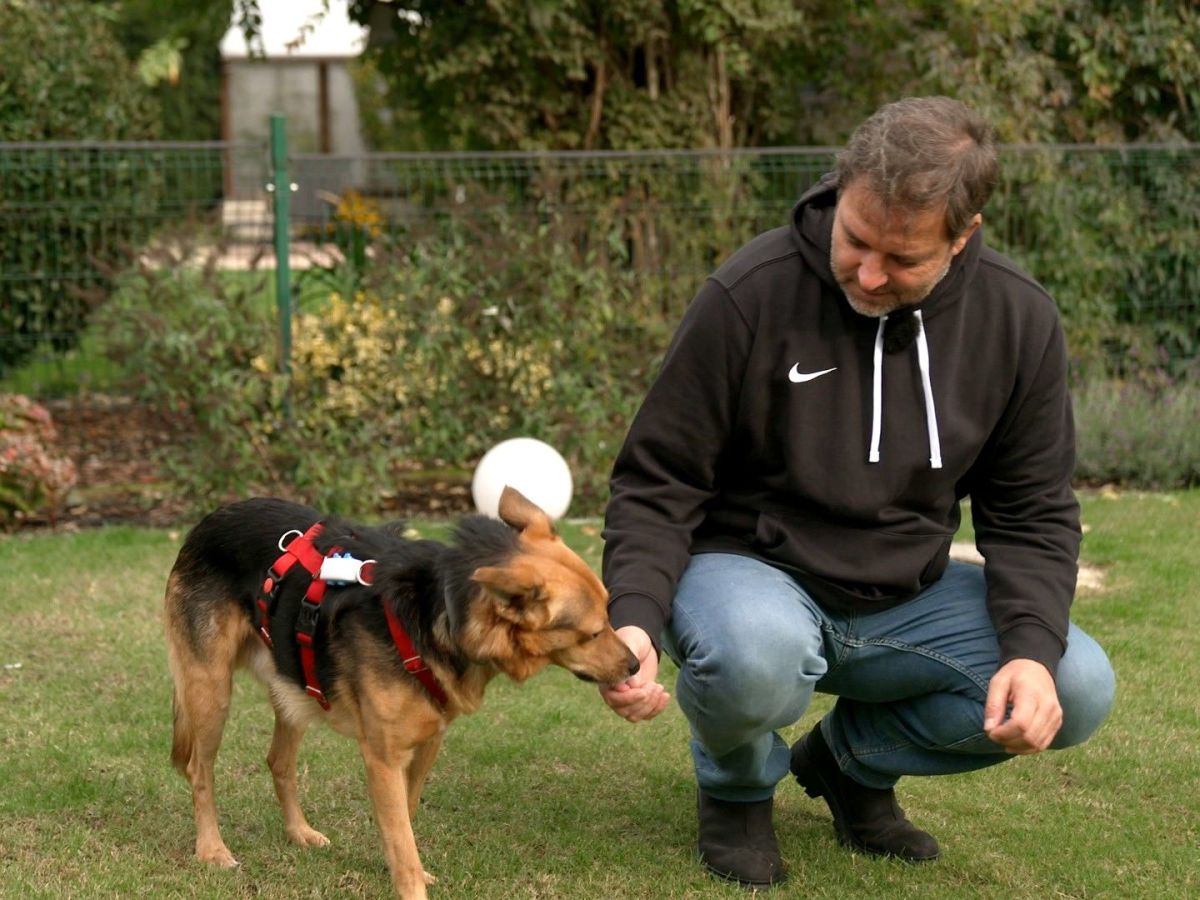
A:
(812, 231)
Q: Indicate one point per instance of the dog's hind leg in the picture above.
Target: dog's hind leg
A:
(203, 677)
(285, 746)
(202, 706)
(418, 770)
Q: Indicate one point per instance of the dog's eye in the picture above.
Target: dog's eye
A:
(595, 634)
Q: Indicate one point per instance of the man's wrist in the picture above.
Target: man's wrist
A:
(640, 611)
(1030, 641)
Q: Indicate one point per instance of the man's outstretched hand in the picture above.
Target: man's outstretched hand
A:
(641, 696)
(1024, 690)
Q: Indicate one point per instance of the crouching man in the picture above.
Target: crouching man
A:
(783, 505)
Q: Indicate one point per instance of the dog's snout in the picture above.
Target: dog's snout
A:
(633, 665)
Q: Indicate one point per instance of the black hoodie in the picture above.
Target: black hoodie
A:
(756, 439)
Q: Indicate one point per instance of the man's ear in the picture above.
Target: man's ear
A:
(961, 240)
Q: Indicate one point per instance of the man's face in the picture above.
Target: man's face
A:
(885, 259)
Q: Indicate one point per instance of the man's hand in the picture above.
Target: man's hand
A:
(641, 696)
(1035, 716)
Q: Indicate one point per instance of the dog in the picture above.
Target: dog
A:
(503, 597)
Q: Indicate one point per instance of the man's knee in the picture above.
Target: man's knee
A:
(1086, 688)
(764, 683)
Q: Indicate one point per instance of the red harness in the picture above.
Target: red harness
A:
(301, 550)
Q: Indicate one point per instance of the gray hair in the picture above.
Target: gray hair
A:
(925, 153)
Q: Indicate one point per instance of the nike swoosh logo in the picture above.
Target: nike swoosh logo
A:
(797, 377)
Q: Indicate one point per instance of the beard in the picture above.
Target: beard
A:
(880, 305)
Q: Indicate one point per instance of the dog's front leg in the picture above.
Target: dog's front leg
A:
(387, 781)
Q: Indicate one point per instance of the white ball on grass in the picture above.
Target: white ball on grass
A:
(531, 466)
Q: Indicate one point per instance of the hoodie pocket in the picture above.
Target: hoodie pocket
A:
(873, 564)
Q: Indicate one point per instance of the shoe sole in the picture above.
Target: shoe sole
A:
(741, 882)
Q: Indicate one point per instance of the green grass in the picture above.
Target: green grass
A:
(48, 373)
(544, 793)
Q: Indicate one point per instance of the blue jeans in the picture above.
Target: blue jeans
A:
(752, 647)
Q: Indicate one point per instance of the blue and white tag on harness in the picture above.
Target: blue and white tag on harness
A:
(341, 569)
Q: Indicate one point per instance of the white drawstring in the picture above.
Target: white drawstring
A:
(877, 394)
(935, 444)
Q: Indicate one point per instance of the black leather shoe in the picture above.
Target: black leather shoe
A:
(737, 841)
(867, 819)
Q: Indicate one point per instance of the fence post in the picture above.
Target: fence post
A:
(281, 188)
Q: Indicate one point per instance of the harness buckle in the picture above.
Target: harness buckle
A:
(266, 604)
(306, 619)
(270, 588)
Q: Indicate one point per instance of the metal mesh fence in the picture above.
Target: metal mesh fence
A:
(1114, 233)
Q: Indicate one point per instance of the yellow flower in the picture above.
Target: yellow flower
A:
(361, 212)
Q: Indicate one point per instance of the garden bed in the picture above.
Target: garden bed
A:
(117, 444)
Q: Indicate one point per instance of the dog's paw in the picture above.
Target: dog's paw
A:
(307, 837)
(429, 879)
(217, 856)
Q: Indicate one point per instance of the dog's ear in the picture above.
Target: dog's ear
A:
(519, 512)
(514, 585)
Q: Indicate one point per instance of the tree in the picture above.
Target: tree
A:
(585, 74)
(553, 74)
(175, 44)
(1085, 71)
(64, 77)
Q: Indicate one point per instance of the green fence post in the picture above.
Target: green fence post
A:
(281, 187)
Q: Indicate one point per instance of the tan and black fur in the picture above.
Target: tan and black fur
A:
(503, 597)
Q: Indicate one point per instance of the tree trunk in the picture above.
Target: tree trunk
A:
(718, 95)
(593, 129)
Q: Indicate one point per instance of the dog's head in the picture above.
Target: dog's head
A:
(544, 605)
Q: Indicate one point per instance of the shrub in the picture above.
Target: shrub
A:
(442, 353)
(1139, 436)
(32, 477)
(512, 332)
(186, 340)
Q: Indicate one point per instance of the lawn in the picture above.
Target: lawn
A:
(544, 793)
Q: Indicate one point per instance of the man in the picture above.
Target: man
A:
(783, 506)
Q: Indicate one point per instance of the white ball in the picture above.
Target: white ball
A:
(534, 468)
